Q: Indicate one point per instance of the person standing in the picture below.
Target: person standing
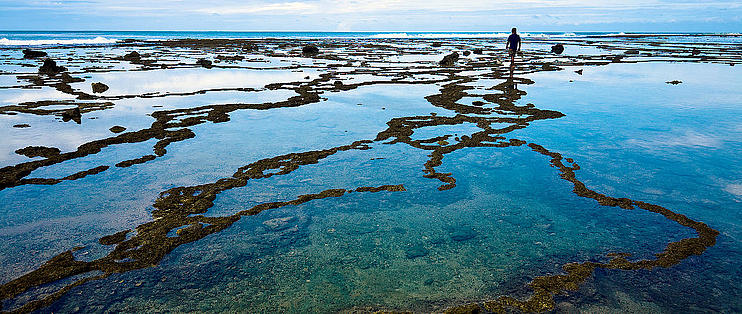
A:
(513, 45)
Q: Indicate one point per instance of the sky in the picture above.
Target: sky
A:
(374, 15)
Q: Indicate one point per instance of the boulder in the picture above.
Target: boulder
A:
(478, 51)
(132, 57)
(309, 50)
(99, 88)
(467, 53)
(51, 68)
(450, 60)
(675, 82)
(205, 63)
(72, 114)
(579, 71)
(33, 54)
(435, 45)
(558, 49)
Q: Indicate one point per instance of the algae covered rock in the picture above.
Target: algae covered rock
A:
(449, 60)
(51, 68)
(558, 49)
(99, 88)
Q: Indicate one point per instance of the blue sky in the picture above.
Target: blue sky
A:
(374, 15)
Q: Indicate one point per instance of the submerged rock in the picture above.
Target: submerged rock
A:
(558, 49)
(33, 54)
(99, 88)
(72, 114)
(117, 129)
(416, 251)
(38, 151)
(450, 60)
(205, 63)
(309, 50)
(278, 224)
(463, 234)
(51, 68)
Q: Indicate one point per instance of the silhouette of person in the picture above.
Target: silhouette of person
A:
(513, 45)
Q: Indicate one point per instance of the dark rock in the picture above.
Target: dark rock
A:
(558, 49)
(72, 114)
(579, 71)
(38, 151)
(695, 51)
(338, 84)
(309, 50)
(20, 126)
(631, 52)
(467, 53)
(478, 103)
(416, 251)
(675, 82)
(51, 68)
(132, 57)
(616, 59)
(478, 51)
(449, 60)
(436, 45)
(117, 129)
(205, 63)
(33, 54)
(99, 88)
(463, 234)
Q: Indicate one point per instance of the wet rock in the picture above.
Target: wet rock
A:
(450, 60)
(435, 45)
(51, 68)
(38, 151)
(205, 63)
(695, 51)
(132, 57)
(72, 114)
(467, 53)
(463, 234)
(478, 51)
(558, 49)
(117, 129)
(675, 82)
(230, 58)
(309, 50)
(278, 224)
(338, 84)
(33, 54)
(99, 88)
(22, 125)
(631, 52)
(579, 71)
(416, 251)
(478, 103)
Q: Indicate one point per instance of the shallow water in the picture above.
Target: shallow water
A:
(508, 218)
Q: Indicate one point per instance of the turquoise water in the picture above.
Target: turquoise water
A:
(509, 218)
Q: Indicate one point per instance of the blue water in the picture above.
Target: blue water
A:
(509, 219)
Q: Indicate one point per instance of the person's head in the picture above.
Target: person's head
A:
(515, 30)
